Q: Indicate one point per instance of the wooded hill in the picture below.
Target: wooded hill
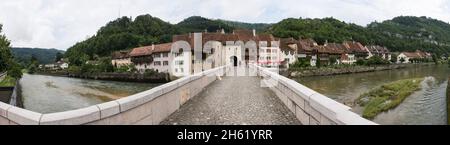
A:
(399, 34)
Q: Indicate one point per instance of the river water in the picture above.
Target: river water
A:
(427, 106)
(49, 94)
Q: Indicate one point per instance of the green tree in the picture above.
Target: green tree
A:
(59, 56)
(435, 59)
(333, 60)
(360, 62)
(393, 58)
(32, 67)
(5, 53)
(318, 63)
(7, 62)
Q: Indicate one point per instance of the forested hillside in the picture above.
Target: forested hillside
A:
(399, 34)
(43, 56)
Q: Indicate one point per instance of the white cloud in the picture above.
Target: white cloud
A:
(60, 24)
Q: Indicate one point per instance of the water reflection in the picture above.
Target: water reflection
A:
(48, 94)
(423, 107)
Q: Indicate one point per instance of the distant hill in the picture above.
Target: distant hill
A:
(403, 33)
(44, 56)
(259, 27)
(200, 24)
(409, 33)
(321, 30)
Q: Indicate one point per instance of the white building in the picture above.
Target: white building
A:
(154, 57)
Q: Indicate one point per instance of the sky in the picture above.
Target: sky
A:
(61, 23)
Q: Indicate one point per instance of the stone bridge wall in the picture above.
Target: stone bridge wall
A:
(153, 106)
(149, 107)
(310, 107)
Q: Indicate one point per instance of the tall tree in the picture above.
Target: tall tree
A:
(5, 52)
(7, 62)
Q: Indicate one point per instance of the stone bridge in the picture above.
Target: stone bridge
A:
(221, 96)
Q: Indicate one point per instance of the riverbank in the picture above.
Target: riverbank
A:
(8, 82)
(448, 101)
(387, 96)
(339, 70)
(114, 76)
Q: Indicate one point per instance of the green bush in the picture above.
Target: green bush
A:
(15, 71)
(74, 69)
(360, 62)
(302, 63)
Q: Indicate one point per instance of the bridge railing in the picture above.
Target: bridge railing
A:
(149, 107)
(309, 106)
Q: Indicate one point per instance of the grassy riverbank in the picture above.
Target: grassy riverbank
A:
(387, 96)
(8, 82)
(338, 70)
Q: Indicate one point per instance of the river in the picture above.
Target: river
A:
(50, 94)
(424, 107)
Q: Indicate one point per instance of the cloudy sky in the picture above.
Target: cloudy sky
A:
(61, 23)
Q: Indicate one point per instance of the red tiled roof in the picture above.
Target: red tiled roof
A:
(335, 48)
(412, 54)
(355, 47)
(120, 54)
(148, 50)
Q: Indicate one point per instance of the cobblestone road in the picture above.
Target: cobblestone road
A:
(233, 101)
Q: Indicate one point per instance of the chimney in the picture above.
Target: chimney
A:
(206, 30)
(222, 31)
(254, 32)
(153, 47)
(326, 43)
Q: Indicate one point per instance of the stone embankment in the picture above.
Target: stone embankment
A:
(123, 77)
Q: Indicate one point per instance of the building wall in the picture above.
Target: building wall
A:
(400, 56)
(161, 62)
(270, 56)
(180, 66)
(121, 62)
(233, 51)
(351, 59)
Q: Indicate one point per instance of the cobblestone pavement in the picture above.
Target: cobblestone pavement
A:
(233, 101)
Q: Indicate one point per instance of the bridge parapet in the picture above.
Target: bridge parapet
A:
(149, 107)
(309, 106)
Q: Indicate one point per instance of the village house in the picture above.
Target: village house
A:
(359, 50)
(334, 52)
(154, 57)
(289, 48)
(383, 52)
(121, 58)
(59, 65)
(412, 57)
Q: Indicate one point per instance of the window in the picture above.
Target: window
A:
(180, 62)
(165, 54)
(268, 58)
(166, 63)
(181, 69)
(274, 51)
(157, 63)
(268, 50)
(156, 55)
(176, 70)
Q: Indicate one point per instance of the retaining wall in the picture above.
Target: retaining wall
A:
(309, 106)
(149, 107)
